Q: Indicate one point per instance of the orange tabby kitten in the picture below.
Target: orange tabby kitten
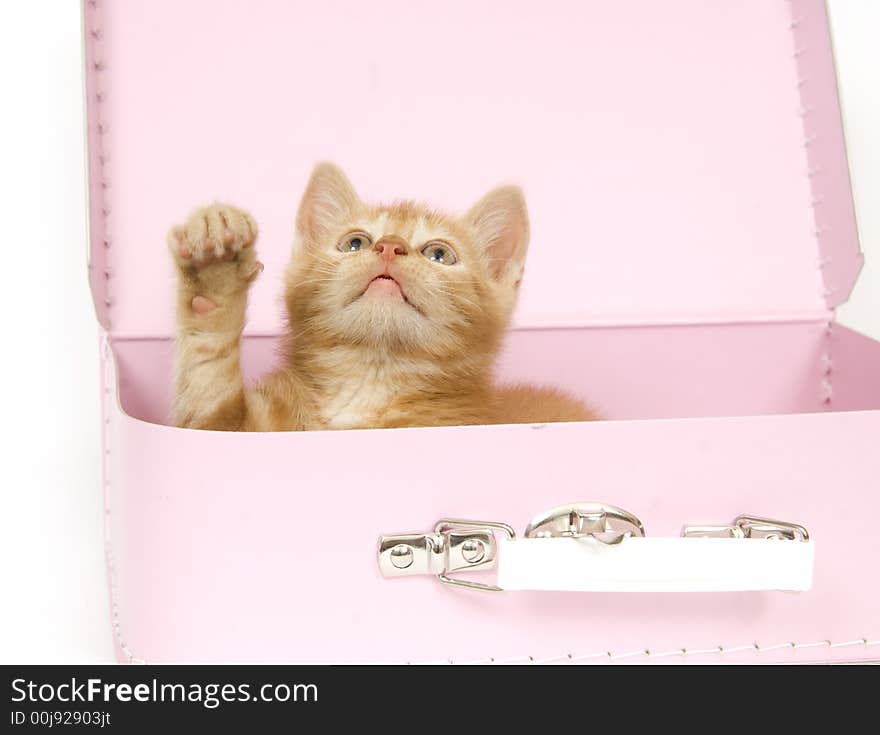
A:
(396, 315)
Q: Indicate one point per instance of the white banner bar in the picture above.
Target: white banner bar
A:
(645, 564)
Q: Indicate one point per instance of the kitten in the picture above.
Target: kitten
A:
(395, 316)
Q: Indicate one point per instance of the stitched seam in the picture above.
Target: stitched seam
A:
(800, 51)
(108, 395)
(814, 171)
(96, 66)
(608, 656)
(827, 365)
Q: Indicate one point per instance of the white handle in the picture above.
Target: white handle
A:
(646, 564)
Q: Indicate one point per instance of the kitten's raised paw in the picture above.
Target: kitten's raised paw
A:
(215, 234)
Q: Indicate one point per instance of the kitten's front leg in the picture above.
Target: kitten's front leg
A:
(216, 263)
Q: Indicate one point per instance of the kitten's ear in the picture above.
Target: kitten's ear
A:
(329, 198)
(501, 222)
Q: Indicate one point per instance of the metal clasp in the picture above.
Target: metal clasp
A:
(712, 531)
(747, 526)
(458, 545)
(757, 527)
(606, 523)
(455, 545)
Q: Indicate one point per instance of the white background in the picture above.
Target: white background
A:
(53, 596)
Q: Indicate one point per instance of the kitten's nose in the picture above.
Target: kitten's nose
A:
(390, 247)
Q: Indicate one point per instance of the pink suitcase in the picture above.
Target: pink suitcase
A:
(693, 232)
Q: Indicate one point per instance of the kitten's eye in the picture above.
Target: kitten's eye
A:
(439, 252)
(353, 242)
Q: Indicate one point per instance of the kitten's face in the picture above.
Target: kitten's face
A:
(404, 277)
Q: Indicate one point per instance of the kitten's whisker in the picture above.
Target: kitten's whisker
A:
(316, 280)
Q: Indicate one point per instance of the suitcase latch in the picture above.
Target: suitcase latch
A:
(455, 545)
(746, 526)
(606, 523)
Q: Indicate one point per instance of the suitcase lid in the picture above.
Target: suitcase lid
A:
(682, 161)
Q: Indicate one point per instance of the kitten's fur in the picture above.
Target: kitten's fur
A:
(358, 353)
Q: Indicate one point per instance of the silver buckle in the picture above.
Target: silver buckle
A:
(606, 523)
(712, 531)
(757, 527)
(747, 526)
(455, 545)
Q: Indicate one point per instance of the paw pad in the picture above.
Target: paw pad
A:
(202, 305)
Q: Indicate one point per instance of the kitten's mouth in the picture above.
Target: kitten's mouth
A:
(385, 284)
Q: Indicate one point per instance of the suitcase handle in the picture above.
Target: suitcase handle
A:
(595, 547)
